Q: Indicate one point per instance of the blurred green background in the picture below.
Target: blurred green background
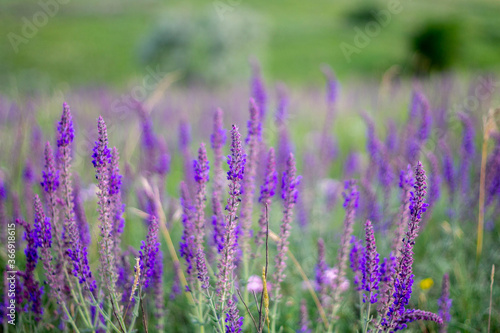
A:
(113, 42)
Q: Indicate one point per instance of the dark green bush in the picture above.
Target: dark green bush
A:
(437, 46)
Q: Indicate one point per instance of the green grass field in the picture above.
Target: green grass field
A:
(92, 42)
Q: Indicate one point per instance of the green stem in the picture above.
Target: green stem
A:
(70, 319)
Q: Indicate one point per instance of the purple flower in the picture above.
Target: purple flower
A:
(351, 165)
(65, 131)
(102, 163)
(248, 185)
(201, 169)
(404, 277)
(426, 122)
(157, 278)
(236, 162)
(184, 135)
(406, 183)
(282, 108)
(448, 168)
(356, 257)
(413, 315)
(289, 195)
(444, 303)
(50, 174)
(32, 291)
(80, 217)
(233, 319)
(115, 200)
(434, 180)
(331, 86)
(163, 161)
(370, 265)
(351, 197)
(267, 190)
(304, 318)
(387, 273)
(201, 266)
(258, 90)
(218, 139)
(187, 245)
(321, 265)
(149, 251)
(218, 222)
(101, 156)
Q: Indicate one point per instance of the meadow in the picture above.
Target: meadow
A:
(359, 207)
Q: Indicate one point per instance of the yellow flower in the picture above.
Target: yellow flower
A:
(426, 283)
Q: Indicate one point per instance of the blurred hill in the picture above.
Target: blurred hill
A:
(95, 42)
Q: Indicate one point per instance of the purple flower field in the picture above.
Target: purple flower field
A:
(260, 208)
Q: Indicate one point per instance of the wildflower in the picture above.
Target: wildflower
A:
(351, 198)
(304, 318)
(248, 184)
(102, 161)
(218, 139)
(426, 283)
(218, 222)
(398, 315)
(236, 162)
(370, 264)
(289, 193)
(187, 245)
(356, 257)
(116, 206)
(32, 291)
(254, 284)
(157, 278)
(201, 266)
(201, 169)
(149, 251)
(258, 91)
(233, 319)
(267, 191)
(444, 303)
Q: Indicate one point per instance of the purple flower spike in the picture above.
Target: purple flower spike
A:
(65, 131)
(248, 185)
(32, 291)
(304, 318)
(233, 319)
(201, 266)
(236, 162)
(258, 90)
(404, 277)
(50, 174)
(370, 266)
(218, 139)
(187, 245)
(201, 169)
(356, 257)
(218, 222)
(267, 191)
(116, 205)
(102, 162)
(289, 195)
(149, 251)
(445, 304)
(351, 197)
